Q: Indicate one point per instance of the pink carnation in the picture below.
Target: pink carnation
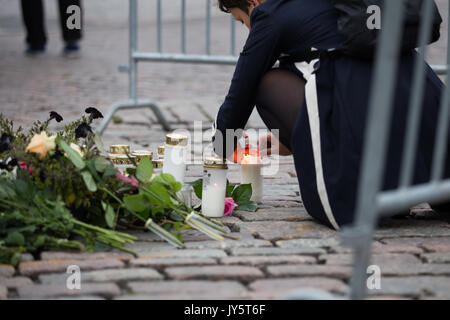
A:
(128, 180)
(23, 166)
(229, 206)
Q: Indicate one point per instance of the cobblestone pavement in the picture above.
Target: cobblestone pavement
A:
(280, 248)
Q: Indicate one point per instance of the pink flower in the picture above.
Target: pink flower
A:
(229, 206)
(128, 180)
(23, 166)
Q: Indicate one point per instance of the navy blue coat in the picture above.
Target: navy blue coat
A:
(328, 187)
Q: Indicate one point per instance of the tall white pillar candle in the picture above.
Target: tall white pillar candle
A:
(214, 187)
(175, 156)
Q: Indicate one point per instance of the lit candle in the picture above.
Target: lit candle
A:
(174, 161)
(251, 173)
(214, 187)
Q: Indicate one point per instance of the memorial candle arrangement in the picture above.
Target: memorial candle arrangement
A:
(251, 166)
(214, 187)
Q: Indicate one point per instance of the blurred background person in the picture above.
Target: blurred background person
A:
(36, 37)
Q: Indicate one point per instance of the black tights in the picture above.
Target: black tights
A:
(278, 101)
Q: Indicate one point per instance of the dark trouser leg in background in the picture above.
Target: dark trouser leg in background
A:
(279, 99)
(33, 18)
(68, 35)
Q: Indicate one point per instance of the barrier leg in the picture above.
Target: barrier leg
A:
(139, 104)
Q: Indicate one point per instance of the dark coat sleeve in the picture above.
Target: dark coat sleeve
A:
(258, 56)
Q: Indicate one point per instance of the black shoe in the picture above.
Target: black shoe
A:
(35, 50)
(72, 49)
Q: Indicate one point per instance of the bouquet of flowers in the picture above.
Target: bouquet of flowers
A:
(60, 191)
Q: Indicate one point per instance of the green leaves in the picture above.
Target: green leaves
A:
(246, 205)
(137, 202)
(15, 238)
(144, 170)
(168, 181)
(89, 181)
(110, 216)
(197, 185)
(101, 164)
(73, 156)
(242, 192)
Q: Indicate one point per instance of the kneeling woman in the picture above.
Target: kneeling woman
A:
(319, 105)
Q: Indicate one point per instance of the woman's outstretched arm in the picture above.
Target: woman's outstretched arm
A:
(260, 52)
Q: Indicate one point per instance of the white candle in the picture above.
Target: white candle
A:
(214, 187)
(175, 156)
(251, 174)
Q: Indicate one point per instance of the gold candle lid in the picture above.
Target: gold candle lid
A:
(161, 150)
(157, 164)
(175, 139)
(119, 149)
(140, 154)
(215, 163)
(121, 160)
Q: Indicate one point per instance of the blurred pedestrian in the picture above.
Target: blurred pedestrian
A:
(36, 38)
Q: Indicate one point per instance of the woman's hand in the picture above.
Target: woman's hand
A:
(269, 144)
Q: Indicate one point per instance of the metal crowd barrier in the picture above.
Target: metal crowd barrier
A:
(372, 202)
(136, 56)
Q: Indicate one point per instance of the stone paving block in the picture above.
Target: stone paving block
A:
(6, 270)
(107, 290)
(55, 255)
(392, 228)
(280, 287)
(15, 282)
(3, 292)
(53, 266)
(282, 204)
(438, 244)
(25, 257)
(311, 243)
(414, 269)
(414, 287)
(228, 243)
(109, 275)
(275, 214)
(379, 259)
(164, 262)
(380, 248)
(336, 271)
(268, 260)
(185, 253)
(243, 273)
(181, 296)
(438, 257)
(270, 251)
(187, 287)
(284, 230)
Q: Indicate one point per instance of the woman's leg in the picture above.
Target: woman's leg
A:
(279, 99)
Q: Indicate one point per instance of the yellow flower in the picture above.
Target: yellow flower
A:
(41, 144)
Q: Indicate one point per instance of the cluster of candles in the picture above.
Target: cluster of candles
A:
(172, 160)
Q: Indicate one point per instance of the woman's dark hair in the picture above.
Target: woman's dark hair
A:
(226, 5)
